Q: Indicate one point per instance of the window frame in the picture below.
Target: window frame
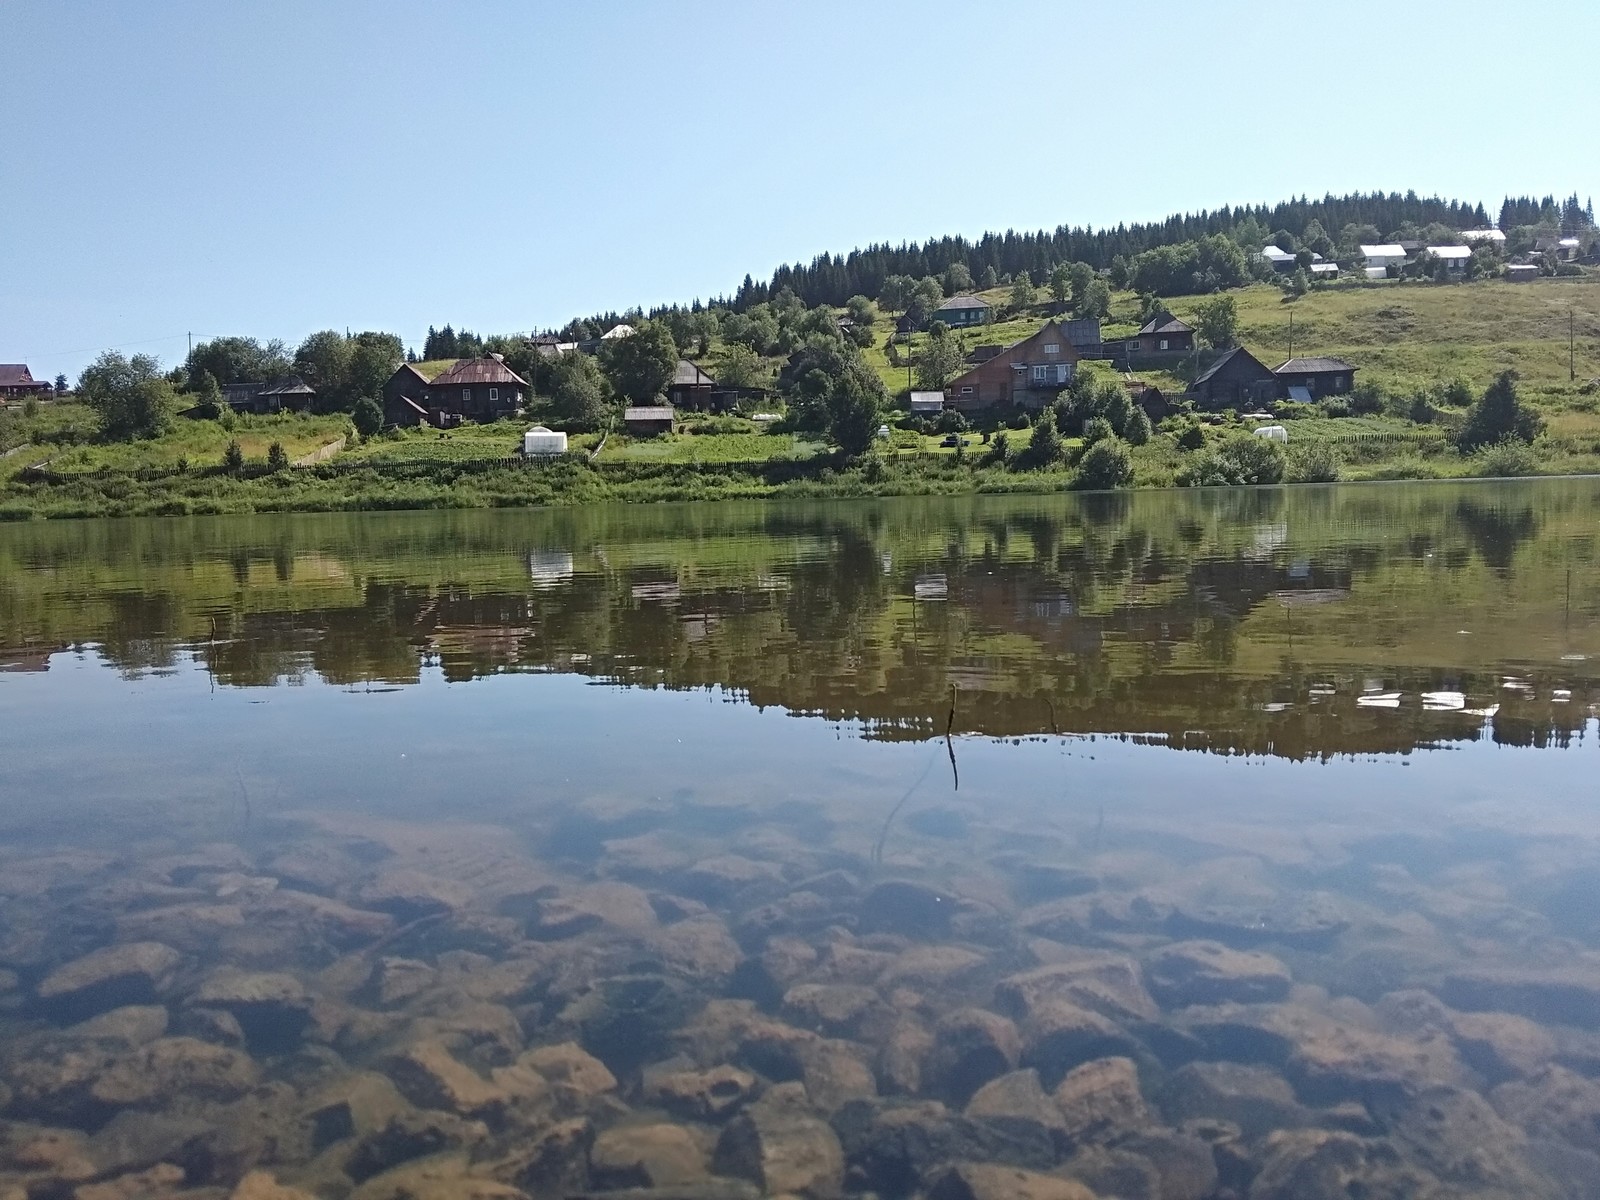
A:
(1052, 347)
(466, 395)
(494, 395)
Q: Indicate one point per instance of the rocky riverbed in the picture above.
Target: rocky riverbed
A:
(649, 1000)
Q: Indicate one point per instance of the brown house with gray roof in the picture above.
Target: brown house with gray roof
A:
(1307, 379)
(471, 389)
(1028, 373)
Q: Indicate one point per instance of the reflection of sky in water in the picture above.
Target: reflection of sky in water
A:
(111, 759)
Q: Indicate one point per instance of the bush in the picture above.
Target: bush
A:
(227, 418)
(1097, 429)
(1336, 408)
(30, 407)
(1045, 449)
(1138, 431)
(233, 457)
(1105, 465)
(1019, 419)
(1506, 460)
(277, 457)
(950, 421)
(1367, 400)
(1316, 463)
(1499, 415)
(367, 417)
(999, 451)
(1243, 458)
(1191, 436)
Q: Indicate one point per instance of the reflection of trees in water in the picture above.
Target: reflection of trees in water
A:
(1122, 612)
(1496, 530)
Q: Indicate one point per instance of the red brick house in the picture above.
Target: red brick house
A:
(15, 381)
(1028, 373)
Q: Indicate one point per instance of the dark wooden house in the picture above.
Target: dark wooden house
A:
(405, 397)
(647, 420)
(1237, 379)
(476, 389)
(1307, 379)
(1163, 334)
(17, 382)
(691, 388)
(287, 395)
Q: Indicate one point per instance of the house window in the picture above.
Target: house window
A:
(494, 395)
(1052, 348)
(1040, 373)
(466, 395)
(966, 391)
(1164, 343)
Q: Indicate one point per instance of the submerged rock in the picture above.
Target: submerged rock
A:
(134, 1025)
(1256, 1099)
(272, 1007)
(912, 909)
(1202, 972)
(971, 1047)
(781, 1148)
(654, 1155)
(1101, 1100)
(1109, 984)
(1017, 1099)
(991, 1181)
(712, 1095)
(132, 973)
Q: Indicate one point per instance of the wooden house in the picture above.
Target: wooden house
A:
(647, 420)
(692, 388)
(1307, 379)
(1163, 334)
(1028, 373)
(964, 311)
(477, 389)
(1236, 379)
(16, 382)
(405, 397)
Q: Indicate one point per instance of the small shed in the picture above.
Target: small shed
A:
(1522, 272)
(539, 441)
(648, 420)
(691, 387)
(927, 404)
(1389, 254)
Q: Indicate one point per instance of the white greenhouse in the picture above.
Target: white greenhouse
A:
(540, 440)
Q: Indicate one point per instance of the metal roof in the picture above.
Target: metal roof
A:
(1311, 366)
(617, 331)
(1483, 235)
(1388, 250)
(1451, 251)
(689, 375)
(468, 371)
(1275, 254)
(1224, 360)
(1165, 322)
(15, 373)
(651, 412)
(964, 301)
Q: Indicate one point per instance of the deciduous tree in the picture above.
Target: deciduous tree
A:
(1217, 321)
(940, 358)
(131, 396)
(640, 366)
(578, 392)
(832, 390)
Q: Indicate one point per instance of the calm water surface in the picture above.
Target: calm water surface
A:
(1325, 755)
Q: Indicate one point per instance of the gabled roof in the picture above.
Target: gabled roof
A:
(1165, 322)
(1388, 250)
(1274, 254)
(617, 331)
(648, 412)
(293, 386)
(1312, 366)
(14, 373)
(963, 301)
(1451, 251)
(1483, 235)
(689, 375)
(1223, 360)
(490, 369)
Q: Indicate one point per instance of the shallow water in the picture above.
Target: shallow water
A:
(1284, 797)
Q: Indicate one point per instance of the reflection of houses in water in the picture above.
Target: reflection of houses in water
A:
(549, 568)
(28, 659)
(931, 587)
(658, 592)
(1266, 540)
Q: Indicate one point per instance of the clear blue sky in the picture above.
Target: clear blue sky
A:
(279, 167)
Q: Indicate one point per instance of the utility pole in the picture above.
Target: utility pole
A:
(1291, 332)
(1572, 359)
(191, 343)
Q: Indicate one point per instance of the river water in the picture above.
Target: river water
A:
(1235, 842)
